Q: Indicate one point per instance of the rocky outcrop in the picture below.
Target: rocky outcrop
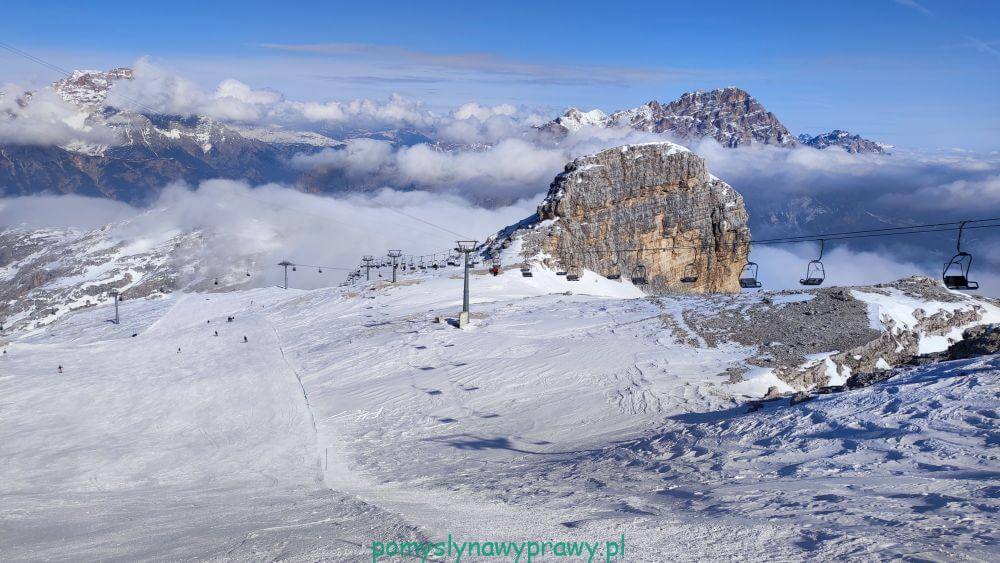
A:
(813, 339)
(651, 207)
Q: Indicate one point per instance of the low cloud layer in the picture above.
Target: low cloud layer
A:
(155, 89)
(42, 118)
(270, 223)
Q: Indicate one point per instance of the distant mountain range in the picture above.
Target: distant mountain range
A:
(154, 149)
(851, 143)
(730, 115)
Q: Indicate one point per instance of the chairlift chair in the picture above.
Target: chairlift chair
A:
(690, 273)
(614, 276)
(956, 272)
(561, 273)
(572, 277)
(748, 276)
(639, 275)
(815, 271)
(526, 271)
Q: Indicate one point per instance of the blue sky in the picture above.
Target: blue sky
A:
(922, 75)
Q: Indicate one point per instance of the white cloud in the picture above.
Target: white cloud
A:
(43, 118)
(271, 223)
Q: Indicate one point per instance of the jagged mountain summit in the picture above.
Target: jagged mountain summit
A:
(851, 143)
(89, 89)
(650, 212)
(730, 115)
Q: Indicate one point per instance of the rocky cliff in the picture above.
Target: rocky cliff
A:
(651, 207)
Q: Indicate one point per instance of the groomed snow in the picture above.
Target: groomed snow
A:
(568, 410)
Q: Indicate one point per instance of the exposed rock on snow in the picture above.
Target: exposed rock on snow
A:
(654, 206)
(837, 332)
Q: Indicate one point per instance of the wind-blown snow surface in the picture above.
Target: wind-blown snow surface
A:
(350, 416)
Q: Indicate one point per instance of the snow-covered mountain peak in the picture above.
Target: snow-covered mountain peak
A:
(574, 119)
(729, 115)
(88, 89)
(846, 140)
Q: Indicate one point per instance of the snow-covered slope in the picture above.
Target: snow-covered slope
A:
(48, 273)
(568, 410)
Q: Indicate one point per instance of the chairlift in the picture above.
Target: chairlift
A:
(748, 277)
(690, 274)
(526, 271)
(815, 272)
(561, 273)
(293, 269)
(956, 271)
(639, 275)
(614, 276)
(572, 277)
(319, 270)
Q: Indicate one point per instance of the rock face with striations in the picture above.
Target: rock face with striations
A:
(653, 207)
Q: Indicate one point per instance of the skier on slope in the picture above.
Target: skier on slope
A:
(217, 333)
(60, 369)
(245, 340)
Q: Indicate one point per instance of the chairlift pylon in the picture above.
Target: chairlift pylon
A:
(956, 272)
(815, 271)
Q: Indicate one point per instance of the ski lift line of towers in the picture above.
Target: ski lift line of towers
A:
(955, 274)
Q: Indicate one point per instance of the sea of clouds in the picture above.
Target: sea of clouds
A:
(489, 165)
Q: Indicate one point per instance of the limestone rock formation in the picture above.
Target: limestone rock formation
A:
(651, 207)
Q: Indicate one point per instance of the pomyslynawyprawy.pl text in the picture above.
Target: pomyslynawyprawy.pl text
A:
(525, 551)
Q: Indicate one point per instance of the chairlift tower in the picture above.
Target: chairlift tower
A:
(394, 254)
(367, 259)
(285, 264)
(115, 294)
(465, 247)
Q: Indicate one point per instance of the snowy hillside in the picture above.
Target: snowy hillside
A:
(568, 410)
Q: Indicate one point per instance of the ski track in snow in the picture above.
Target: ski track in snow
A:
(351, 417)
